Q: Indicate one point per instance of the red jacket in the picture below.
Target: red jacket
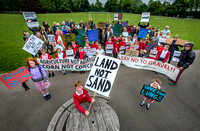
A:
(142, 46)
(64, 55)
(122, 44)
(166, 57)
(94, 46)
(160, 48)
(81, 98)
(75, 47)
(116, 46)
(110, 43)
(49, 57)
(129, 29)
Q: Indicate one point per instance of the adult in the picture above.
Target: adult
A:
(35, 29)
(90, 23)
(63, 26)
(71, 23)
(143, 25)
(46, 26)
(49, 31)
(108, 32)
(159, 35)
(67, 23)
(166, 30)
(103, 37)
(173, 47)
(54, 27)
(186, 59)
(154, 37)
(152, 32)
(81, 24)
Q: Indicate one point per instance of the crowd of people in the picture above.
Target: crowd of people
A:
(107, 44)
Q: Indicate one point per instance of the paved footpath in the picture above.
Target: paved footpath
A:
(179, 110)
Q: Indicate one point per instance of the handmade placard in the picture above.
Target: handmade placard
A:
(16, 77)
(120, 15)
(152, 93)
(124, 23)
(132, 52)
(115, 16)
(33, 45)
(145, 17)
(101, 25)
(117, 30)
(102, 75)
(82, 32)
(93, 35)
(31, 19)
(176, 56)
(51, 39)
(143, 33)
(68, 38)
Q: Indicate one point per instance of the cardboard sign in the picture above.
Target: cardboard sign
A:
(101, 25)
(152, 93)
(132, 52)
(143, 33)
(178, 42)
(102, 75)
(82, 32)
(33, 45)
(153, 53)
(145, 17)
(117, 30)
(51, 39)
(93, 35)
(70, 53)
(68, 38)
(136, 47)
(14, 78)
(115, 16)
(124, 23)
(120, 16)
(80, 40)
(31, 19)
(150, 64)
(176, 56)
(67, 64)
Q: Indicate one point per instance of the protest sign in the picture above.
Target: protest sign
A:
(93, 35)
(128, 43)
(176, 56)
(51, 39)
(132, 52)
(153, 53)
(31, 19)
(109, 49)
(145, 17)
(136, 47)
(120, 16)
(122, 50)
(82, 32)
(14, 78)
(115, 16)
(152, 93)
(124, 23)
(101, 25)
(178, 42)
(143, 33)
(33, 45)
(102, 75)
(150, 46)
(68, 38)
(80, 40)
(150, 64)
(117, 30)
(67, 64)
(70, 54)
(89, 52)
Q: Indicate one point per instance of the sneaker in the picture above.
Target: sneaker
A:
(48, 96)
(172, 84)
(142, 103)
(53, 74)
(49, 75)
(83, 72)
(148, 106)
(80, 72)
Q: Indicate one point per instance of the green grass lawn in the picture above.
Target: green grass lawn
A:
(13, 56)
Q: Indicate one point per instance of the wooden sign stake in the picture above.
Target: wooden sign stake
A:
(91, 102)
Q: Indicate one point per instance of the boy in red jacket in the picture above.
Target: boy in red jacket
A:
(163, 55)
(81, 95)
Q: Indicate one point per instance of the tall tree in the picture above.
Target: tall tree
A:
(31, 5)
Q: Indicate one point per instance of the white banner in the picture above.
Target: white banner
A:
(176, 56)
(31, 19)
(51, 39)
(145, 17)
(33, 45)
(102, 75)
(67, 64)
(150, 64)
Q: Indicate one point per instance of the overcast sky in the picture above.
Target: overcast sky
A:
(145, 1)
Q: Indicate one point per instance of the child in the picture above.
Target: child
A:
(95, 45)
(152, 55)
(160, 48)
(61, 55)
(109, 47)
(80, 54)
(74, 46)
(141, 45)
(142, 53)
(163, 55)
(81, 95)
(156, 84)
(122, 48)
(116, 48)
(100, 50)
(59, 45)
(128, 42)
(131, 46)
(46, 56)
(70, 52)
(39, 77)
(88, 50)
